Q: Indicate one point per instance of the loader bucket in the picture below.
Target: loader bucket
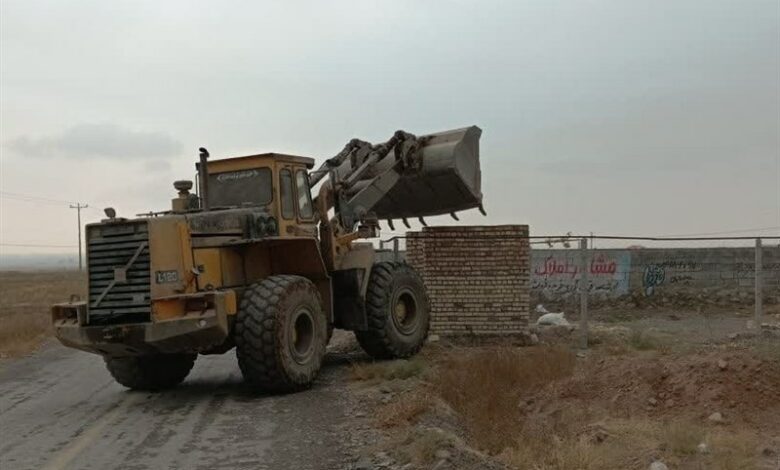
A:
(449, 181)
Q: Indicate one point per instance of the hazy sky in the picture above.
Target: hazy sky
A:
(617, 117)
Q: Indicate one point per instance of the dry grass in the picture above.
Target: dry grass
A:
(734, 450)
(683, 438)
(492, 391)
(374, 372)
(484, 387)
(631, 444)
(618, 341)
(767, 347)
(419, 446)
(405, 409)
(644, 341)
(25, 298)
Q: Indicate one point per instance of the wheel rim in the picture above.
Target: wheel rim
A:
(405, 312)
(302, 336)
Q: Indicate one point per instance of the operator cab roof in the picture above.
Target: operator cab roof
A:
(309, 162)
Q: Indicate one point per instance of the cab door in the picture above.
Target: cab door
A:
(304, 207)
(288, 219)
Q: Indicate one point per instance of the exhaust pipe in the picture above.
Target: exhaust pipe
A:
(203, 179)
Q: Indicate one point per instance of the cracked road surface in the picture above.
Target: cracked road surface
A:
(60, 409)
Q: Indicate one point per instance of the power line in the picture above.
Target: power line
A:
(601, 237)
(34, 201)
(33, 198)
(32, 245)
(726, 232)
(37, 199)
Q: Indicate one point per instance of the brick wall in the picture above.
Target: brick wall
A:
(477, 277)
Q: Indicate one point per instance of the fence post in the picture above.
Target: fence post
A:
(759, 283)
(584, 293)
(395, 250)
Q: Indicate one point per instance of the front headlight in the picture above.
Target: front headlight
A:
(271, 227)
(263, 226)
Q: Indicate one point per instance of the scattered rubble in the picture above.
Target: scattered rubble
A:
(550, 318)
(679, 298)
(671, 384)
(553, 319)
(658, 465)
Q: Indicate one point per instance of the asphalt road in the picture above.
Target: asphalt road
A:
(59, 409)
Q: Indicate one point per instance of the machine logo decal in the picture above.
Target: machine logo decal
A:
(236, 175)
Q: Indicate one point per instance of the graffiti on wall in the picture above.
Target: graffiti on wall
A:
(748, 270)
(654, 275)
(615, 273)
(559, 273)
(669, 272)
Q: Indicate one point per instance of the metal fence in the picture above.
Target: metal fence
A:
(567, 270)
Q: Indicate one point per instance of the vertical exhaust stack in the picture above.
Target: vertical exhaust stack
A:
(203, 178)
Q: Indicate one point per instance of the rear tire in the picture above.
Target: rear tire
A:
(150, 372)
(397, 310)
(281, 334)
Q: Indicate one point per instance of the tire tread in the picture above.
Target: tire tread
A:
(375, 341)
(257, 347)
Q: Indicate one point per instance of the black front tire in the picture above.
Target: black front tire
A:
(398, 312)
(281, 334)
(150, 372)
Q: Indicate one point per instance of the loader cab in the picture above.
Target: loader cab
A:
(277, 182)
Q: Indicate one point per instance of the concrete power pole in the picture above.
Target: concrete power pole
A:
(583, 288)
(759, 280)
(78, 208)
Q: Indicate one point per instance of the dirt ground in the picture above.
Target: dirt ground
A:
(690, 388)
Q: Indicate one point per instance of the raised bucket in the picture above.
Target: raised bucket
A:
(449, 181)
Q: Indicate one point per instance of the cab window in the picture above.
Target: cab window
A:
(235, 188)
(305, 210)
(286, 192)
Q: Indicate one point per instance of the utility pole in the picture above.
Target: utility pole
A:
(78, 208)
(759, 283)
(583, 288)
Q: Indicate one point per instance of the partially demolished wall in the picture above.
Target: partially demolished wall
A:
(477, 277)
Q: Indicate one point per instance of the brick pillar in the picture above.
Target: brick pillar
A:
(477, 277)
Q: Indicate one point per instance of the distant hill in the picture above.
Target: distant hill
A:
(39, 261)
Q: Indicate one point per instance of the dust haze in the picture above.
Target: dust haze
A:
(598, 116)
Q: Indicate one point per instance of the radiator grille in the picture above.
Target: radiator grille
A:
(118, 292)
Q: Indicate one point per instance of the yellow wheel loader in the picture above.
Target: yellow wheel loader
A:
(252, 261)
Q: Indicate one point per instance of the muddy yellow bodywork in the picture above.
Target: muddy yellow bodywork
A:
(172, 282)
(188, 329)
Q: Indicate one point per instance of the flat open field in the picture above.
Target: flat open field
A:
(25, 297)
(691, 389)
